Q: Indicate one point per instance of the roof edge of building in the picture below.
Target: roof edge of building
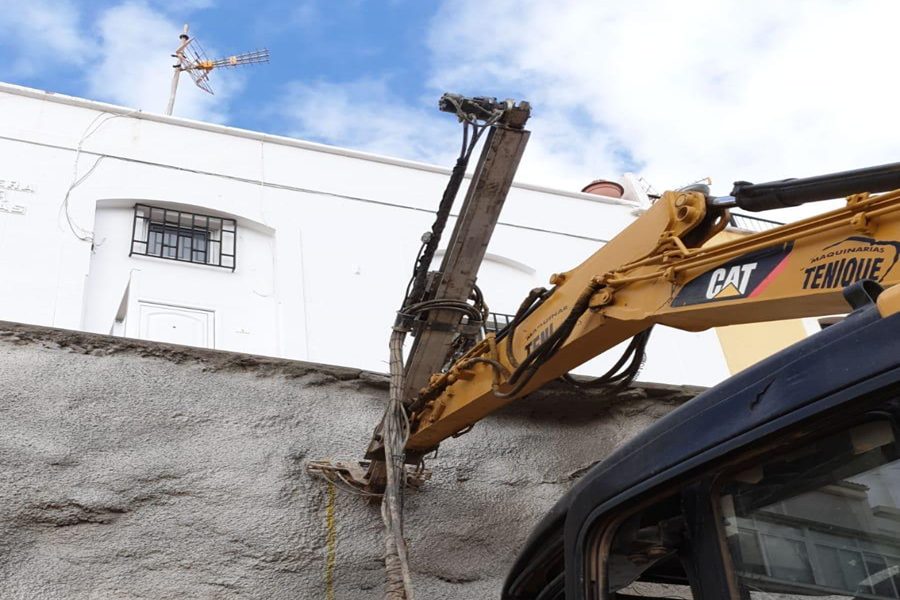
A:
(18, 90)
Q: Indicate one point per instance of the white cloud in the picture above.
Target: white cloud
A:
(134, 66)
(675, 90)
(45, 34)
(124, 56)
(731, 89)
(366, 115)
(304, 13)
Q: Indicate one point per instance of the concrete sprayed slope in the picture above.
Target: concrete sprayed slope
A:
(140, 470)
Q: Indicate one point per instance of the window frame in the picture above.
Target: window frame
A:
(152, 225)
(713, 568)
(786, 442)
(699, 566)
(497, 322)
(163, 230)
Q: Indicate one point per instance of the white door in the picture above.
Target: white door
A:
(177, 325)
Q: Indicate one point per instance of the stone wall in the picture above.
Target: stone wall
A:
(133, 469)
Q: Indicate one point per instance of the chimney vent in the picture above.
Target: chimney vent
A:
(603, 187)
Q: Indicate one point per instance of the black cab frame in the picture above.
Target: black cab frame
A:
(781, 482)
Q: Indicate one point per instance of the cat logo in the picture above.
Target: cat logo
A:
(744, 277)
(729, 282)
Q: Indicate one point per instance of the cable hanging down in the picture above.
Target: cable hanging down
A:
(83, 234)
(396, 427)
(398, 584)
(617, 378)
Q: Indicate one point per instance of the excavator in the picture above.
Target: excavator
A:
(781, 482)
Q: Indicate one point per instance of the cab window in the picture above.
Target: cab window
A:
(645, 554)
(820, 521)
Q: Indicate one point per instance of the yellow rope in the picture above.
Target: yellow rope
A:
(331, 544)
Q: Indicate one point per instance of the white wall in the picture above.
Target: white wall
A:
(327, 237)
(243, 302)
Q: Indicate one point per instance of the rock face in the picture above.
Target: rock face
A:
(139, 470)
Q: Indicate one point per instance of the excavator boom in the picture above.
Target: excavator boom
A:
(663, 270)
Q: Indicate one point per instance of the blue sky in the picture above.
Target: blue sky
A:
(676, 91)
(343, 40)
(339, 41)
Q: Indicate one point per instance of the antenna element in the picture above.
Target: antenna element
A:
(193, 60)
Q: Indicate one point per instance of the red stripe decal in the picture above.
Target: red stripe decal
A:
(770, 277)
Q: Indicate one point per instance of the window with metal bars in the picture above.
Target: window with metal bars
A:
(752, 223)
(496, 322)
(183, 236)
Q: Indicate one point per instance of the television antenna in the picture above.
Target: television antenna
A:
(193, 60)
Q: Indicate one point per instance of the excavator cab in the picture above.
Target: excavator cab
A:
(782, 482)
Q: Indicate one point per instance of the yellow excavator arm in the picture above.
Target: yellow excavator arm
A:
(663, 270)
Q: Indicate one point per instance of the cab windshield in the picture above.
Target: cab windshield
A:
(822, 521)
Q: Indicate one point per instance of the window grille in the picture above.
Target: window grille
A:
(752, 223)
(496, 322)
(183, 236)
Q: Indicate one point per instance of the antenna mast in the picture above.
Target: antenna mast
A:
(193, 60)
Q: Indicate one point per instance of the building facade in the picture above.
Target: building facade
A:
(142, 225)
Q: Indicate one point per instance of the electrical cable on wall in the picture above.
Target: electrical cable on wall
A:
(86, 235)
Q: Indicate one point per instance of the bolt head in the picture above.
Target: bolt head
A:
(557, 279)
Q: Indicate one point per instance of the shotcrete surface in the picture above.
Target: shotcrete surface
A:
(140, 470)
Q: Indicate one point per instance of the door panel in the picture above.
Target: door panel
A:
(177, 325)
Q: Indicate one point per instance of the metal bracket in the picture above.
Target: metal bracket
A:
(860, 221)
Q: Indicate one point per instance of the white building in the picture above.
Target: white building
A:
(299, 250)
